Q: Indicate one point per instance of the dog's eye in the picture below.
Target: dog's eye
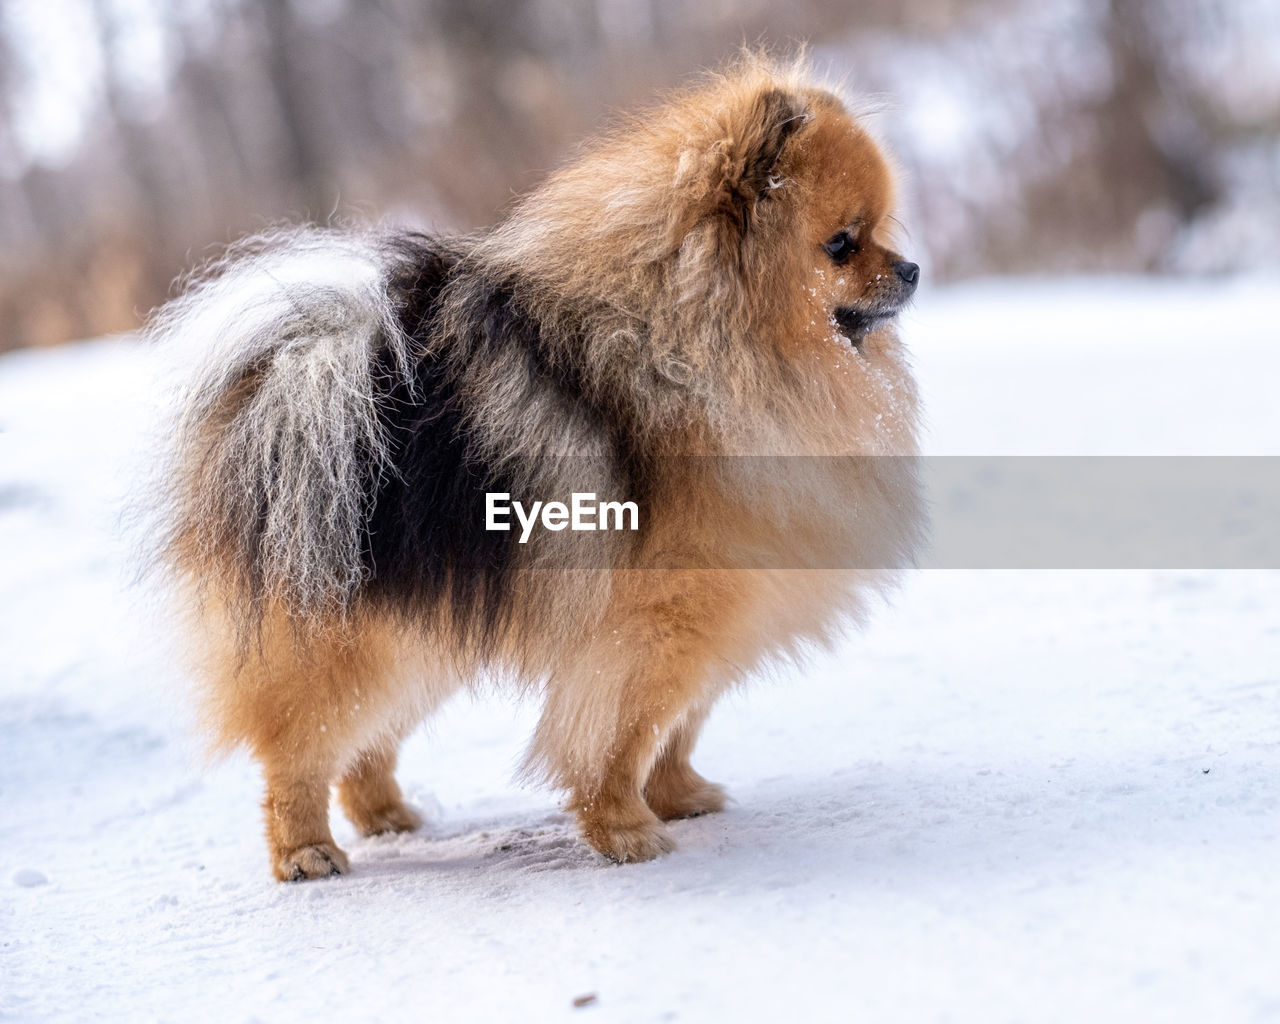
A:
(840, 247)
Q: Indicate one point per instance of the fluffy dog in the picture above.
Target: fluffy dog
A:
(711, 280)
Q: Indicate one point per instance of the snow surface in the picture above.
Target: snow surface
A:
(1017, 796)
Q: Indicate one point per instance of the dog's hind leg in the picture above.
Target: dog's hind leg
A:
(307, 708)
(297, 814)
(370, 796)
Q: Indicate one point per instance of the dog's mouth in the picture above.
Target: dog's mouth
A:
(856, 324)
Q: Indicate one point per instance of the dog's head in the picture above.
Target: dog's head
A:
(788, 193)
(748, 216)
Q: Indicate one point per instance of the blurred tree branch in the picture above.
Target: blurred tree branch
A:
(437, 111)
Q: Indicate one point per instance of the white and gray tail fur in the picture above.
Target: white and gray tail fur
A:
(277, 444)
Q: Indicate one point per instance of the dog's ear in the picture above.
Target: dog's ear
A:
(773, 118)
(738, 167)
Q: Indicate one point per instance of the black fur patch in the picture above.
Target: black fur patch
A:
(428, 548)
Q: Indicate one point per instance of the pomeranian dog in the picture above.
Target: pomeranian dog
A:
(363, 409)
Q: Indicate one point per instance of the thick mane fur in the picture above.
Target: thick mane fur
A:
(640, 252)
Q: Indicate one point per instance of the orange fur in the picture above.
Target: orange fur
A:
(735, 569)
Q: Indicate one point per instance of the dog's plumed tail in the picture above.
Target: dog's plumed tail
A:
(288, 345)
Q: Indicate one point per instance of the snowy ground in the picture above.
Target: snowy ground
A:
(1018, 796)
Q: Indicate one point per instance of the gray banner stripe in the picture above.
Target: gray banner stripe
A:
(999, 512)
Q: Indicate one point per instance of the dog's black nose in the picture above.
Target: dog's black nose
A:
(909, 272)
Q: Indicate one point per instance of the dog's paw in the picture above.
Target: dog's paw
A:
(631, 842)
(316, 861)
(669, 803)
(399, 817)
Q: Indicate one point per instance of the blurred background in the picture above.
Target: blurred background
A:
(1035, 136)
